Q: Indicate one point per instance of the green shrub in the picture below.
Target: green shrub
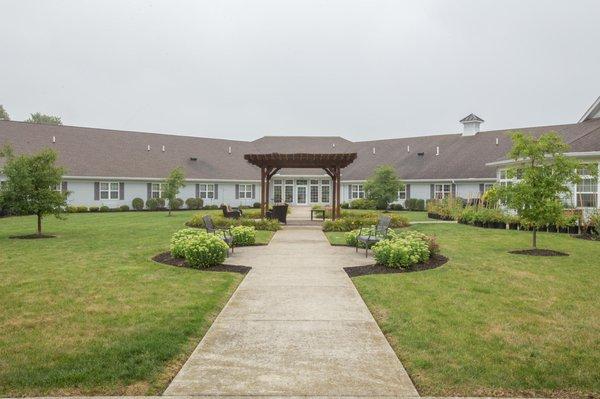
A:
(414, 204)
(396, 207)
(345, 205)
(204, 250)
(178, 241)
(210, 207)
(352, 236)
(362, 203)
(448, 208)
(76, 209)
(404, 250)
(137, 204)
(223, 223)
(261, 224)
(256, 205)
(352, 222)
(161, 202)
(177, 203)
(251, 214)
(152, 204)
(124, 208)
(104, 208)
(243, 235)
(194, 203)
(94, 209)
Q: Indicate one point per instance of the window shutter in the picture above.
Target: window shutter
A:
(237, 191)
(481, 188)
(197, 190)
(121, 191)
(349, 191)
(96, 191)
(64, 187)
(149, 185)
(216, 186)
(408, 191)
(253, 191)
(453, 188)
(431, 191)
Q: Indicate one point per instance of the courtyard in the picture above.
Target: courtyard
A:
(89, 313)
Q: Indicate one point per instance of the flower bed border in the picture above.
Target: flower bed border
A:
(165, 258)
(433, 262)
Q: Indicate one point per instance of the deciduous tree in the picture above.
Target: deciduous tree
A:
(44, 119)
(174, 182)
(383, 186)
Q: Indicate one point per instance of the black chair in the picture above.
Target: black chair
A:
(278, 212)
(231, 213)
(380, 232)
(224, 233)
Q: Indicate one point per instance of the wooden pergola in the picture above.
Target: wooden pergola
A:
(270, 164)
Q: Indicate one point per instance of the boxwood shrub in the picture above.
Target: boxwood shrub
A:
(137, 204)
(362, 203)
(414, 204)
(124, 208)
(194, 203)
(104, 208)
(152, 204)
(94, 208)
(177, 203)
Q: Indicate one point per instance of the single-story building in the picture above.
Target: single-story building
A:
(111, 167)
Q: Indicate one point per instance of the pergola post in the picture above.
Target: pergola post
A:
(338, 198)
(262, 193)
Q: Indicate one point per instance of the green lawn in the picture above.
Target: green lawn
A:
(493, 323)
(88, 312)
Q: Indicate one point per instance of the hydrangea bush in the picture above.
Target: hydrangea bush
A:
(200, 249)
(243, 235)
(178, 241)
(404, 249)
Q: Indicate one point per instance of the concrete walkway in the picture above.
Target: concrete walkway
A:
(296, 326)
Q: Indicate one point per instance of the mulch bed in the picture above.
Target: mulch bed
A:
(433, 262)
(166, 259)
(32, 236)
(590, 237)
(538, 252)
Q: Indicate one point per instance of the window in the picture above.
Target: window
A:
(58, 187)
(357, 191)
(245, 190)
(402, 194)
(157, 189)
(487, 186)
(587, 188)
(314, 194)
(277, 191)
(325, 191)
(207, 191)
(442, 191)
(109, 190)
(301, 182)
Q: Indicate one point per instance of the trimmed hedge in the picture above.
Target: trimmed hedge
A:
(414, 204)
(362, 203)
(177, 203)
(223, 223)
(152, 204)
(194, 203)
(137, 204)
(348, 223)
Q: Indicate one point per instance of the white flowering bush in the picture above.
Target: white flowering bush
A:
(205, 250)
(178, 241)
(352, 236)
(404, 249)
(243, 235)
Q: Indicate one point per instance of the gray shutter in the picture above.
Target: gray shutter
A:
(431, 191)
(149, 186)
(481, 188)
(96, 191)
(349, 192)
(408, 191)
(121, 191)
(197, 190)
(253, 191)
(453, 188)
(237, 191)
(64, 187)
(216, 191)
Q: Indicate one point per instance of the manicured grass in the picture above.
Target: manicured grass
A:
(493, 323)
(88, 312)
(412, 216)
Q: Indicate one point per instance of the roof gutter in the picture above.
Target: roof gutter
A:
(583, 154)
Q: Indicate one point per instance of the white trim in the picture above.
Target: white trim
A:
(156, 179)
(583, 154)
(595, 107)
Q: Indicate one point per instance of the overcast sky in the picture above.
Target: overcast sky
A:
(244, 69)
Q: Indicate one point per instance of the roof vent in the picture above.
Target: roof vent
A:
(163, 148)
(373, 150)
(54, 139)
(229, 150)
(437, 150)
(471, 124)
(332, 145)
(497, 141)
(148, 147)
(193, 159)
(407, 148)
(420, 154)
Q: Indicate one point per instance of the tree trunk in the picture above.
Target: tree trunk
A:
(169, 209)
(39, 224)
(535, 238)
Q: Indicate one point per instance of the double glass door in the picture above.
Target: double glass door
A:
(301, 188)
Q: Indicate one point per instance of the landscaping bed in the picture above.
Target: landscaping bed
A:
(168, 259)
(433, 262)
(538, 252)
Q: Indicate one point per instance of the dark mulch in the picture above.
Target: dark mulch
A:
(167, 259)
(32, 236)
(590, 237)
(538, 252)
(432, 263)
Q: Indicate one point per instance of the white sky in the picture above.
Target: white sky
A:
(244, 69)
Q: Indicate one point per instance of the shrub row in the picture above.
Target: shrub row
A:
(414, 204)
(223, 223)
(200, 249)
(350, 221)
(84, 209)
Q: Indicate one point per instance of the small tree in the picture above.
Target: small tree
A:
(383, 186)
(31, 182)
(544, 174)
(3, 114)
(173, 183)
(44, 119)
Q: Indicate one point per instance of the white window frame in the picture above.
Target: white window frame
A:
(207, 191)
(245, 191)
(325, 192)
(109, 190)
(589, 187)
(402, 194)
(357, 191)
(440, 191)
(156, 190)
(277, 186)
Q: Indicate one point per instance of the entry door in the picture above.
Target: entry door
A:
(289, 192)
(301, 195)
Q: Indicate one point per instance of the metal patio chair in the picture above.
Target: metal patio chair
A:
(380, 233)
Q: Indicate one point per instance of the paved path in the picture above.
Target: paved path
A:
(295, 326)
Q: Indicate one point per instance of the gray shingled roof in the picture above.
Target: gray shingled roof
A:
(111, 153)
